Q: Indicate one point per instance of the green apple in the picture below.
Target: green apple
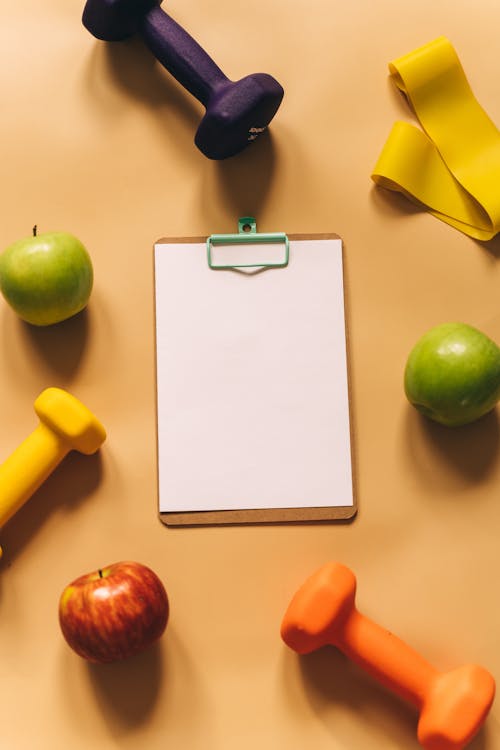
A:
(46, 278)
(453, 374)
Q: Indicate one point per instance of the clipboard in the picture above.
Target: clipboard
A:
(253, 415)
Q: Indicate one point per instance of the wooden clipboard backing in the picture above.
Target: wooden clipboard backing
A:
(338, 513)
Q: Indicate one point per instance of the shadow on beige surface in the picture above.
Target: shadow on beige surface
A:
(129, 67)
(161, 683)
(449, 457)
(242, 183)
(36, 352)
(393, 204)
(72, 483)
(61, 346)
(347, 701)
(492, 246)
(351, 704)
(127, 691)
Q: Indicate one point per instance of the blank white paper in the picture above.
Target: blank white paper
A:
(252, 388)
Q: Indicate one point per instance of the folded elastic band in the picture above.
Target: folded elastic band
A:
(453, 168)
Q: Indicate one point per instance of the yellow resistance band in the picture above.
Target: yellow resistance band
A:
(454, 167)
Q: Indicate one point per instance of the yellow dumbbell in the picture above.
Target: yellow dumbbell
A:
(65, 425)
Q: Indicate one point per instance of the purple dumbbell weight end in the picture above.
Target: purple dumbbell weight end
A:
(236, 111)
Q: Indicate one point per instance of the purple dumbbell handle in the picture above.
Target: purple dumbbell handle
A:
(181, 55)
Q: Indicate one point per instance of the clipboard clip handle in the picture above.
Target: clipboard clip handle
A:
(248, 235)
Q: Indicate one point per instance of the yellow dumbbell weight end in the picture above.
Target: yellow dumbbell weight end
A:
(65, 425)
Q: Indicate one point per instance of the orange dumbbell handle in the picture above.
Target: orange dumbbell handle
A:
(385, 657)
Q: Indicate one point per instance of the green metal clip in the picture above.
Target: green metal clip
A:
(247, 234)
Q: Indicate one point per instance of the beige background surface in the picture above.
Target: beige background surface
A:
(97, 140)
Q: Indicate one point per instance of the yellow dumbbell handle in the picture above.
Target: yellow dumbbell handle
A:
(452, 167)
(65, 425)
(28, 467)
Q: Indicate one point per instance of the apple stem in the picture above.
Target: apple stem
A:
(100, 573)
(34, 230)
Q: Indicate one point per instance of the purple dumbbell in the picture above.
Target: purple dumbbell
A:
(236, 111)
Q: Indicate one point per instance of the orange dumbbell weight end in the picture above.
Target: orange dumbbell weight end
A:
(453, 705)
(65, 425)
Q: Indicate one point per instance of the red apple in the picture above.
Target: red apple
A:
(114, 612)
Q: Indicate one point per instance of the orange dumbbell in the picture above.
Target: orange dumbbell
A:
(453, 705)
